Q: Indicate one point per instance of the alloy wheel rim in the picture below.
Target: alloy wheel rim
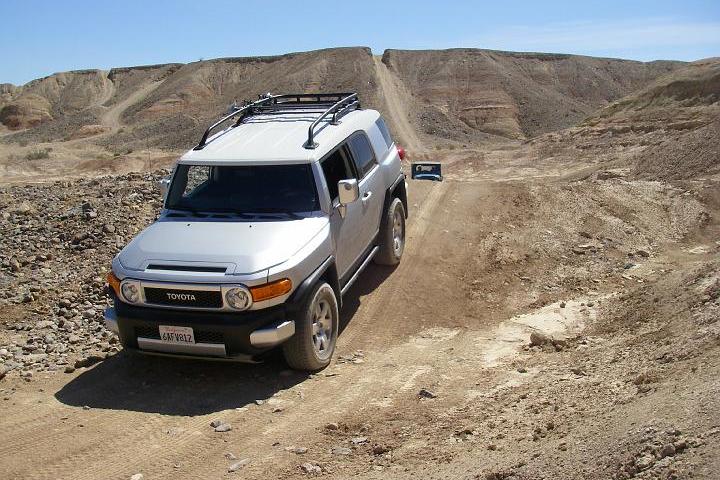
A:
(322, 327)
(397, 231)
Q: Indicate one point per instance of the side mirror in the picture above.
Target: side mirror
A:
(164, 185)
(348, 192)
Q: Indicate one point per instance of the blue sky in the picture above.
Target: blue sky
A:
(42, 37)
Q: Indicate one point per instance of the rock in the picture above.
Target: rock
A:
(538, 339)
(332, 426)
(341, 451)
(216, 423)
(380, 449)
(235, 466)
(667, 450)
(358, 440)
(107, 228)
(424, 393)
(644, 462)
(69, 369)
(88, 361)
(643, 253)
(277, 409)
(223, 427)
(297, 450)
(522, 370)
(311, 468)
(562, 304)
(137, 476)
(42, 324)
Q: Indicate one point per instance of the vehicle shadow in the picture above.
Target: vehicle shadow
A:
(171, 386)
(185, 387)
(370, 279)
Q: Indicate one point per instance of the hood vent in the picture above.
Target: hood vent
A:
(186, 268)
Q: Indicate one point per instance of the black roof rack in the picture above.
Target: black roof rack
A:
(333, 105)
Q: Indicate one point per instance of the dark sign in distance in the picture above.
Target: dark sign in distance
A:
(427, 171)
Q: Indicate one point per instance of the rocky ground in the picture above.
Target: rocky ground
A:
(56, 243)
(572, 333)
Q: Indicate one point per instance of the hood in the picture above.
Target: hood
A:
(245, 247)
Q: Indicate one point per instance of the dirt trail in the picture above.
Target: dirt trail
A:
(393, 92)
(112, 116)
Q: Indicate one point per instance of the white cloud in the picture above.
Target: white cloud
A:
(654, 34)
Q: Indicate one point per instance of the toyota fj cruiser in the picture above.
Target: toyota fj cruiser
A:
(265, 225)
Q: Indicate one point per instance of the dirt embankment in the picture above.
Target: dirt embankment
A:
(505, 95)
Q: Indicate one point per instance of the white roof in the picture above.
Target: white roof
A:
(277, 138)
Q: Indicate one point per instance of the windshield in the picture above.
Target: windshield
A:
(243, 189)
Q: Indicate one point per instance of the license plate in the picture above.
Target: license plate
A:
(183, 335)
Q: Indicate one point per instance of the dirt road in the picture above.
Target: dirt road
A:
(488, 262)
(392, 92)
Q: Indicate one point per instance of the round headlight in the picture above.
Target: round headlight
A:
(238, 298)
(131, 292)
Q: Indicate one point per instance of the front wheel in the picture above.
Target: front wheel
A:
(392, 234)
(313, 344)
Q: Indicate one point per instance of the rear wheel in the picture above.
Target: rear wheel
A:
(392, 234)
(313, 344)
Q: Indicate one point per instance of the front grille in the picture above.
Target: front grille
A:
(186, 268)
(201, 336)
(147, 332)
(183, 298)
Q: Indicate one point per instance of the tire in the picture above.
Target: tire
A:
(392, 234)
(312, 346)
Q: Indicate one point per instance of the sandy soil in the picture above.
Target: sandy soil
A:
(489, 261)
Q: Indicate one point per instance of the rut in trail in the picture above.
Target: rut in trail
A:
(393, 93)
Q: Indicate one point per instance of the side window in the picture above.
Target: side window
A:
(363, 154)
(336, 167)
(384, 131)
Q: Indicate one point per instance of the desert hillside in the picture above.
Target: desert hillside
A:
(503, 94)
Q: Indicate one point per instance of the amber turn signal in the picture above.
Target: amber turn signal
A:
(271, 290)
(114, 282)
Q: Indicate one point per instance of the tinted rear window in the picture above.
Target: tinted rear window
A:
(362, 154)
(384, 131)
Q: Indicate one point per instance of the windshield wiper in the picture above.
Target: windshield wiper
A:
(208, 213)
(276, 211)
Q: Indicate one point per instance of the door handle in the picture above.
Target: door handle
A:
(366, 196)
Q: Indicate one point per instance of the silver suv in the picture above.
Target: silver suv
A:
(265, 225)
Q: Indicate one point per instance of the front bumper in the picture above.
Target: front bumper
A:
(238, 336)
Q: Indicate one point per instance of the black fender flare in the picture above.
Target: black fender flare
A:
(327, 270)
(397, 189)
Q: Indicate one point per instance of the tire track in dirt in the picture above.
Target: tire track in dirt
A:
(368, 315)
(392, 92)
(113, 116)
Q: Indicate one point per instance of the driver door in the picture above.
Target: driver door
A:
(346, 231)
